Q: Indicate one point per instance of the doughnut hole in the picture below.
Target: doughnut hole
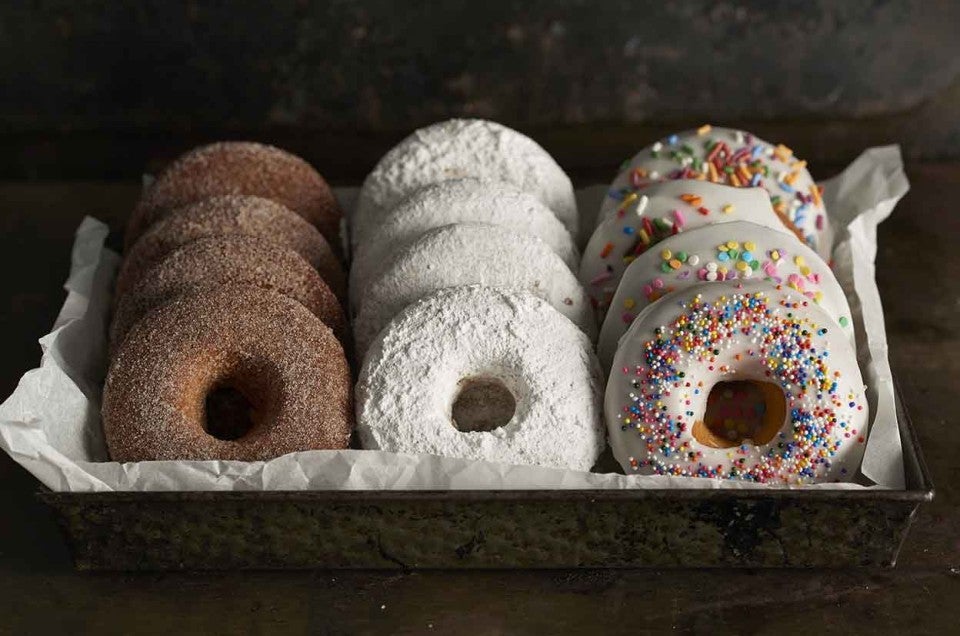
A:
(240, 398)
(482, 404)
(741, 411)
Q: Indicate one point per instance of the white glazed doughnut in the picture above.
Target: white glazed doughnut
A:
(465, 254)
(431, 359)
(730, 252)
(660, 211)
(462, 148)
(736, 158)
(457, 201)
(809, 425)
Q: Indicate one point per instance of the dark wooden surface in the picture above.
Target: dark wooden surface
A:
(918, 269)
(92, 89)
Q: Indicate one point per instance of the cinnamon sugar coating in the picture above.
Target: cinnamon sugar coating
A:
(209, 263)
(239, 167)
(231, 215)
(286, 363)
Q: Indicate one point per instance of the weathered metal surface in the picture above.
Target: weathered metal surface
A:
(497, 529)
(478, 530)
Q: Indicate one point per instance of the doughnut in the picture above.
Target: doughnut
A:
(232, 214)
(208, 263)
(457, 201)
(250, 365)
(464, 254)
(239, 167)
(791, 409)
(660, 211)
(736, 158)
(462, 148)
(730, 252)
(467, 372)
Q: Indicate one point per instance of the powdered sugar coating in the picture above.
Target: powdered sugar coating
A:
(286, 362)
(465, 254)
(462, 148)
(457, 201)
(410, 378)
(228, 215)
(239, 167)
(209, 263)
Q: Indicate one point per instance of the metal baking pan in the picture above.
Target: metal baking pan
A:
(495, 529)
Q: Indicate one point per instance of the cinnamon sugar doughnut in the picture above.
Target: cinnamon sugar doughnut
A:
(232, 214)
(208, 263)
(290, 381)
(239, 167)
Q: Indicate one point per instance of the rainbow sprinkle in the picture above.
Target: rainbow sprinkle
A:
(744, 163)
(785, 344)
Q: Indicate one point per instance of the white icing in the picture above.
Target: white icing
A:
(465, 254)
(456, 201)
(796, 266)
(617, 236)
(686, 399)
(409, 380)
(463, 148)
(665, 165)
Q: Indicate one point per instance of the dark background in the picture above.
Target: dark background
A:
(94, 93)
(97, 89)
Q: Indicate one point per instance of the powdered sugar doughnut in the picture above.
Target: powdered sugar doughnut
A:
(239, 167)
(660, 211)
(467, 372)
(804, 406)
(462, 148)
(229, 215)
(465, 254)
(458, 201)
(730, 252)
(736, 158)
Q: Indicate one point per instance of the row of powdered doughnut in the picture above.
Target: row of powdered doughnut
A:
(228, 334)
(475, 334)
(728, 341)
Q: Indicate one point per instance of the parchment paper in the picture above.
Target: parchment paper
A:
(51, 423)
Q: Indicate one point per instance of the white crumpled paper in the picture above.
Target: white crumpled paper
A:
(51, 423)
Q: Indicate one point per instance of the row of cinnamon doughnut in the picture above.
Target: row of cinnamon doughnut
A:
(228, 335)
